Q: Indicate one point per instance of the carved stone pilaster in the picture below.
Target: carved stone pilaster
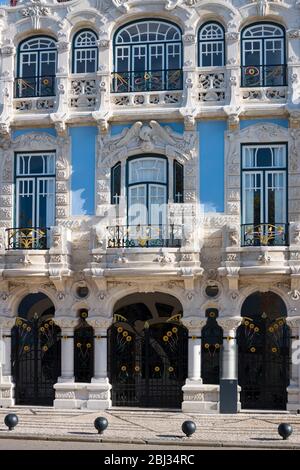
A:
(229, 323)
(194, 324)
(65, 322)
(99, 323)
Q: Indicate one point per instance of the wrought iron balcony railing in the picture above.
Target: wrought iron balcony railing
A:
(27, 238)
(264, 76)
(144, 236)
(264, 235)
(35, 87)
(156, 80)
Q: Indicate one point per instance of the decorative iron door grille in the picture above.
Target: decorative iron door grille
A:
(211, 343)
(36, 361)
(263, 362)
(148, 369)
(83, 352)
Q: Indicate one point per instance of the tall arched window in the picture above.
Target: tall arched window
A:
(263, 55)
(211, 45)
(85, 52)
(147, 190)
(147, 57)
(37, 57)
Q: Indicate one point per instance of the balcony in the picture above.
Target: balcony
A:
(27, 238)
(83, 94)
(145, 236)
(160, 87)
(264, 235)
(211, 85)
(264, 84)
(35, 93)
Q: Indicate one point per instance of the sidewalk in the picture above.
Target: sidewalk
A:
(153, 427)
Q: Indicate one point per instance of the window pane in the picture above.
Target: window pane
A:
(148, 169)
(25, 214)
(116, 184)
(157, 204)
(45, 202)
(137, 205)
(253, 198)
(178, 182)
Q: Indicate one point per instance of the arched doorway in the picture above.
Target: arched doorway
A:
(211, 343)
(148, 352)
(83, 349)
(36, 351)
(264, 341)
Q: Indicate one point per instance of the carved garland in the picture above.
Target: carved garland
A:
(149, 138)
(36, 141)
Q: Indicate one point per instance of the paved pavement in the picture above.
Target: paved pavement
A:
(18, 444)
(153, 428)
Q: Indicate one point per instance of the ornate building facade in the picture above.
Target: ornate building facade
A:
(149, 203)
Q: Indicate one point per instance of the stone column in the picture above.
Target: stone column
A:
(7, 84)
(62, 88)
(6, 380)
(293, 389)
(99, 390)
(229, 369)
(293, 72)
(196, 396)
(65, 388)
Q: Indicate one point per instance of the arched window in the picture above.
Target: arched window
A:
(147, 57)
(211, 45)
(85, 52)
(147, 190)
(263, 55)
(37, 58)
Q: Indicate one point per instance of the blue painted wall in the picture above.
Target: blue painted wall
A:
(49, 130)
(251, 122)
(211, 136)
(83, 147)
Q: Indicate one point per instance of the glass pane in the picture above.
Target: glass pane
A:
(25, 203)
(137, 205)
(273, 52)
(178, 182)
(139, 62)
(252, 198)
(264, 156)
(156, 59)
(116, 184)
(45, 203)
(157, 204)
(276, 193)
(148, 169)
(47, 63)
(173, 56)
(252, 53)
(29, 64)
(37, 164)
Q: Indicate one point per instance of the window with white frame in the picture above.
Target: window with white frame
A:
(147, 57)
(35, 190)
(264, 193)
(211, 45)
(147, 190)
(85, 52)
(36, 68)
(263, 55)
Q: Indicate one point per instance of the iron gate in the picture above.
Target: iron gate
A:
(36, 361)
(211, 343)
(148, 368)
(263, 362)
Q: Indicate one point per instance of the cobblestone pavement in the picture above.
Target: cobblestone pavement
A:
(152, 427)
